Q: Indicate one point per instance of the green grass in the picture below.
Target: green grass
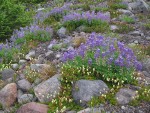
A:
(124, 28)
(116, 6)
(147, 26)
(143, 96)
(127, 19)
(94, 25)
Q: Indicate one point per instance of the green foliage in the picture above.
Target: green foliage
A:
(57, 47)
(40, 35)
(108, 97)
(141, 51)
(94, 25)
(79, 69)
(7, 55)
(85, 7)
(114, 13)
(58, 2)
(147, 26)
(102, 9)
(32, 1)
(142, 95)
(53, 19)
(127, 19)
(116, 6)
(64, 100)
(12, 16)
(124, 28)
(1, 106)
(31, 75)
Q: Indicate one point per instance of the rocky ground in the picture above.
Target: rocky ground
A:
(22, 86)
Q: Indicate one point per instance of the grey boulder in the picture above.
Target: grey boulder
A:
(7, 73)
(125, 95)
(24, 84)
(48, 89)
(84, 90)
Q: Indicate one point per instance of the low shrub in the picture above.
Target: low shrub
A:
(127, 19)
(21, 39)
(12, 16)
(97, 58)
(101, 58)
(33, 32)
(54, 15)
(124, 28)
(116, 6)
(142, 95)
(90, 20)
(147, 26)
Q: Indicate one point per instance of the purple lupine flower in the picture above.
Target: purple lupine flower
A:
(121, 61)
(110, 60)
(99, 44)
(103, 54)
(120, 45)
(65, 57)
(1, 47)
(97, 54)
(86, 15)
(112, 48)
(90, 61)
(82, 53)
(138, 65)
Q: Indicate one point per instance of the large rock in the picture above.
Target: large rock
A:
(146, 65)
(84, 90)
(7, 73)
(62, 32)
(50, 55)
(125, 12)
(8, 95)
(30, 55)
(25, 98)
(15, 66)
(33, 107)
(38, 67)
(24, 84)
(124, 96)
(139, 6)
(48, 89)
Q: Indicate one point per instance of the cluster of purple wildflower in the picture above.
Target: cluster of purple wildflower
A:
(26, 30)
(87, 15)
(41, 16)
(108, 49)
(3, 46)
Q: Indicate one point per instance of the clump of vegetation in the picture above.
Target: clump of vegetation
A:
(127, 19)
(55, 14)
(12, 16)
(142, 95)
(85, 7)
(108, 97)
(97, 58)
(124, 28)
(48, 71)
(32, 1)
(31, 75)
(77, 41)
(102, 9)
(116, 6)
(89, 20)
(7, 55)
(147, 26)
(21, 41)
(106, 59)
(141, 51)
